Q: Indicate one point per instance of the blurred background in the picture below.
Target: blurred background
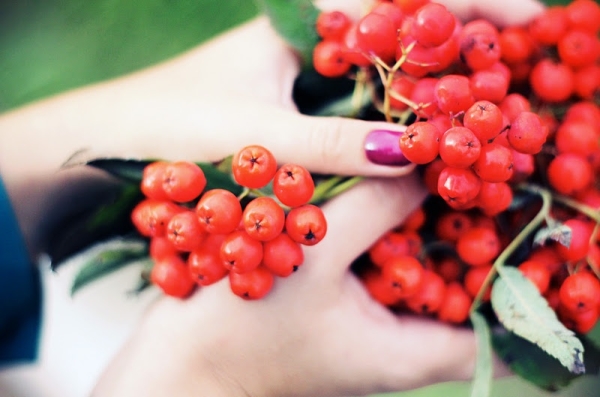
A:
(49, 46)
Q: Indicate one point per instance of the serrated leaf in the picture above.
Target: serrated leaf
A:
(483, 376)
(521, 309)
(556, 232)
(531, 363)
(107, 261)
(294, 21)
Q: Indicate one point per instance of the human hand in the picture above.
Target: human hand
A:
(317, 333)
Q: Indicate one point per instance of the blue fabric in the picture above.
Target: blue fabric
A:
(20, 292)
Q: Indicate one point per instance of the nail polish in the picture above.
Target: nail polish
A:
(382, 147)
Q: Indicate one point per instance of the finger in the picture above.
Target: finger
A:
(358, 217)
(501, 13)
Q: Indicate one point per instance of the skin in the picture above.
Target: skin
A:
(316, 333)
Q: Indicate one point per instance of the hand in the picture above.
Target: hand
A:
(317, 333)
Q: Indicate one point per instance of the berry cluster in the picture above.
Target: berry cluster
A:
(488, 110)
(198, 236)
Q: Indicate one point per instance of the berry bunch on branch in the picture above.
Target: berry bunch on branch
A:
(504, 124)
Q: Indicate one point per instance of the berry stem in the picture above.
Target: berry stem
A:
(342, 187)
(576, 205)
(540, 217)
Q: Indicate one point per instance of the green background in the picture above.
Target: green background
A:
(47, 47)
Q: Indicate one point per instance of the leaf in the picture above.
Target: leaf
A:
(482, 379)
(107, 261)
(218, 179)
(556, 232)
(294, 21)
(124, 169)
(521, 309)
(531, 363)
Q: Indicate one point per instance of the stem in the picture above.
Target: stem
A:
(518, 240)
(576, 205)
(358, 92)
(342, 187)
(323, 187)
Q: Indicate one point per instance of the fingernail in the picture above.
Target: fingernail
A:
(382, 147)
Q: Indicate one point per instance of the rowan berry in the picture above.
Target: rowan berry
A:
(419, 60)
(580, 322)
(537, 272)
(587, 82)
(151, 217)
(495, 163)
(474, 280)
(579, 241)
(452, 224)
(459, 147)
(377, 36)
(429, 298)
(516, 44)
(584, 15)
(205, 265)
(551, 81)
(332, 25)
(415, 220)
(494, 197)
(405, 274)
(152, 180)
(432, 25)
(450, 269)
(184, 231)
(254, 166)
(400, 90)
(293, 185)
(456, 305)
(263, 218)
(458, 186)
(527, 133)
(580, 292)
(306, 224)
(389, 245)
(219, 211)
(172, 276)
(431, 175)
(329, 59)
(569, 173)
(485, 119)
(183, 181)
(578, 48)
(489, 85)
(241, 253)
(576, 137)
(391, 11)
(282, 256)
(252, 285)
(409, 7)
(352, 52)
(423, 95)
(549, 26)
(420, 142)
(514, 104)
(523, 166)
(379, 288)
(479, 51)
(161, 247)
(453, 94)
(478, 246)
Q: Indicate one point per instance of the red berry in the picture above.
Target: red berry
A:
(282, 255)
(253, 167)
(478, 246)
(537, 272)
(183, 181)
(293, 185)
(453, 94)
(329, 59)
(206, 266)
(527, 133)
(254, 284)
(172, 276)
(459, 147)
(432, 25)
(456, 305)
(458, 186)
(219, 211)
(420, 142)
(570, 173)
(263, 218)
(306, 224)
(405, 274)
(495, 163)
(580, 292)
(184, 231)
(241, 253)
(152, 180)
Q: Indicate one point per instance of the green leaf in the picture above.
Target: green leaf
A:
(521, 309)
(557, 231)
(107, 261)
(531, 363)
(218, 179)
(482, 379)
(294, 21)
(124, 169)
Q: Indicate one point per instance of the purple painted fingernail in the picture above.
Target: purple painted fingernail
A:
(382, 147)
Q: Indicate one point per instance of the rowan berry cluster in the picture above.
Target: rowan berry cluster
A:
(487, 109)
(199, 236)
